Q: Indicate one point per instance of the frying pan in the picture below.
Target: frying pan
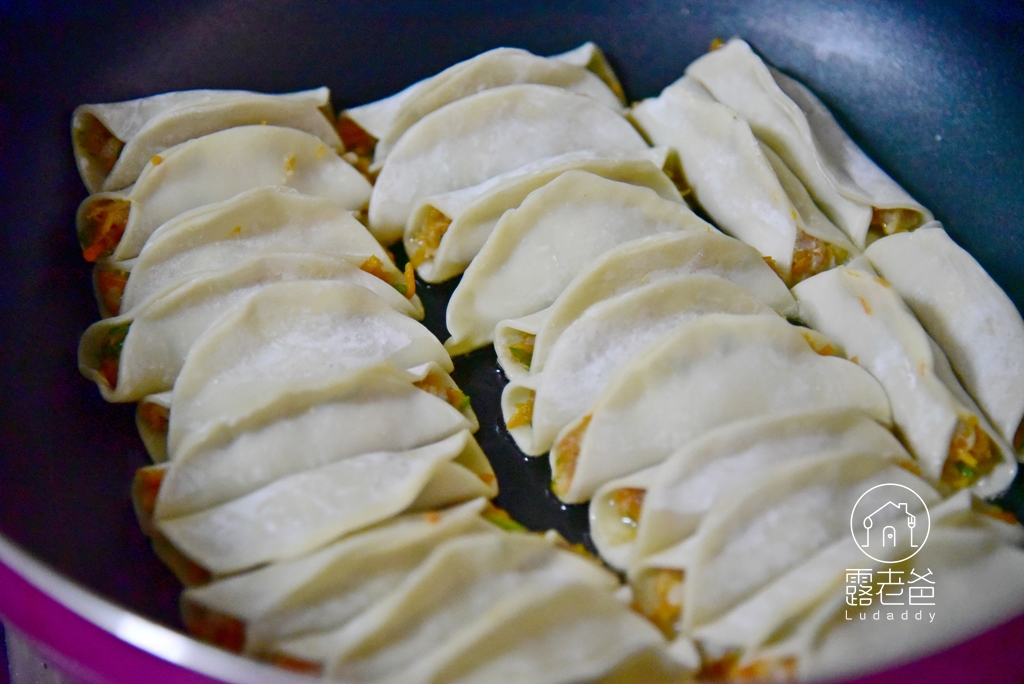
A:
(931, 91)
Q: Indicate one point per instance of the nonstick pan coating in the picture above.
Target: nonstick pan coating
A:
(930, 90)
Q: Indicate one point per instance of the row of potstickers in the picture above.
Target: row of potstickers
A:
(316, 484)
(648, 350)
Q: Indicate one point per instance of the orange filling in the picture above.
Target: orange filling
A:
(658, 597)
(409, 276)
(358, 144)
(523, 415)
(145, 489)
(567, 453)
(155, 416)
(100, 145)
(105, 221)
(727, 669)
(406, 283)
(427, 237)
(110, 353)
(287, 662)
(110, 283)
(972, 455)
(715, 44)
(628, 504)
(188, 572)
(812, 256)
(436, 385)
(1018, 439)
(213, 627)
(501, 518)
(522, 351)
(889, 221)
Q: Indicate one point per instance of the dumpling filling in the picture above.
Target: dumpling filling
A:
(427, 237)
(522, 351)
(213, 627)
(499, 517)
(658, 596)
(435, 384)
(523, 414)
(359, 146)
(812, 256)
(155, 416)
(287, 662)
(626, 504)
(567, 453)
(405, 285)
(972, 455)
(110, 353)
(727, 669)
(888, 221)
(110, 284)
(101, 147)
(145, 490)
(105, 221)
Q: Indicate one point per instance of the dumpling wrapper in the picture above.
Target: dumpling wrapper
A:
(709, 372)
(161, 331)
(769, 525)
(843, 181)
(211, 169)
(490, 608)
(941, 424)
(607, 335)
(536, 250)
(264, 220)
(151, 416)
(589, 56)
(301, 512)
(387, 119)
(975, 563)
(789, 603)
(967, 314)
(483, 135)
(152, 413)
(614, 513)
(114, 141)
(677, 494)
(474, 211)
(459, 563)
(379, 408)
(562, 634)
(635, 264)
(328, 588)
(747, 191)
(289, 337)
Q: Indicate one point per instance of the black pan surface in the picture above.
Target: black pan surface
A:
(931, 90)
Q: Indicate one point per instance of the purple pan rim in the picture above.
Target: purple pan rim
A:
(106, 643)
